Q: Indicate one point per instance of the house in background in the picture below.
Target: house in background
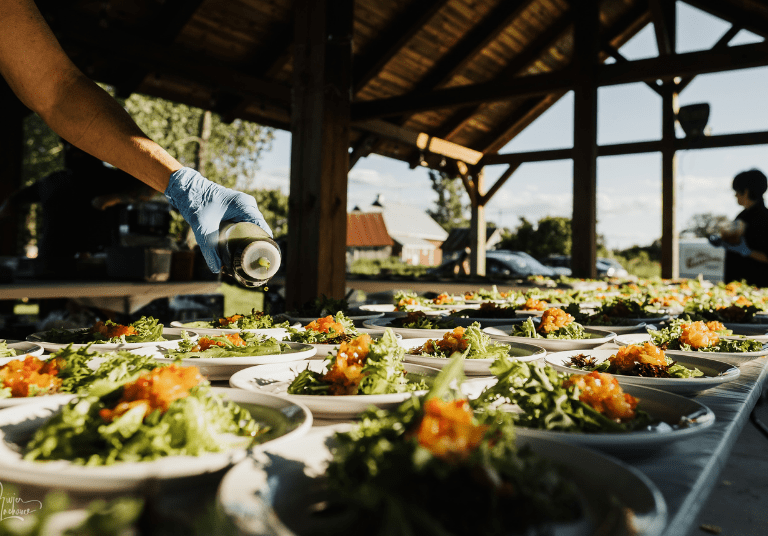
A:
(367, 236)
(414, 237)
(458, 241)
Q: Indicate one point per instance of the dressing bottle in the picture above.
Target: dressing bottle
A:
(248, 253)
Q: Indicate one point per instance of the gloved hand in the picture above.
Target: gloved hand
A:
(205, 204)
(715, 240)
(741, 248)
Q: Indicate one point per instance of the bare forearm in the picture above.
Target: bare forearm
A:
(759, 256)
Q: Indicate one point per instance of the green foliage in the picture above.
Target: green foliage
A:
(388, 266)
(551, 236)
(703, 225)
(452, 201)
(273, 205)
(637, 261)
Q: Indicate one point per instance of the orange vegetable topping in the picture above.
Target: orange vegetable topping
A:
(346, 372)
(532, 304)
(603, 392)
(698, 335)
(203, 343)
(554, 319)
(447, 430)
(453, 341)
(19, 375)
(112, 330)
(155, 390)
(404, 302)
(325, 325)
(443, 299)
(227, 320)
(627, 356)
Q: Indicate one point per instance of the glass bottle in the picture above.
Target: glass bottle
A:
(248, 253)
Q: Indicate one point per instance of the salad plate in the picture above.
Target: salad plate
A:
(323, 349)
(519, 351)
(715, 372)
(286, 420)
(171, 335)
(378, 325)
(221, 368)
(22, 348)
(356, 319)
(620, 330)
(736, 358)
(275, 379)
(277, 333)
(679, 418)
(759, 332)
(275, 493)
(596, 338)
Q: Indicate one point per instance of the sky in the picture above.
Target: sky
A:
(628, 187)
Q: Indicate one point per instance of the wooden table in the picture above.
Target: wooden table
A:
(121, 296)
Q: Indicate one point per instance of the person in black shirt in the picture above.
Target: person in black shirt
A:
(746, 242)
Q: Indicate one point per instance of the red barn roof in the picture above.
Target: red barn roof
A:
(367, 229)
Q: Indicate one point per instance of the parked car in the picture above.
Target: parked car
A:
(499, 264)
(605, 267)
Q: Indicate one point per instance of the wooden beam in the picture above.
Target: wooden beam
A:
(477, 229)
(499, 183)
(724, 140)
(317, 215)
(169, 20)
(721, 44)
(584, 217)
(741, 15)
(665, 25)
(670, 243)
(421, 141)
(514, 159)
(619, 57)
(478, 38)
(392, 40)
(361, 149)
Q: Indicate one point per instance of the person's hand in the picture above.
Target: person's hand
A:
(205, 204)
(741, 248)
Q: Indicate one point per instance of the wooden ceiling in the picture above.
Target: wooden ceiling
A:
(234, 57)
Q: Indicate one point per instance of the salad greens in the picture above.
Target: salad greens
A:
(573, 330)
(5, 351)
(418, 320)
(254, 320)
(382, 371)
(245, 343)
(672, 369)
(670, 338)
(193, 425)
(145, 329)
(309, 335)
(472, 343)
(390, 475)
(547, 403)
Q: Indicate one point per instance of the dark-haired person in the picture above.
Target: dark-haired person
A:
(746, 242)
(48, 83)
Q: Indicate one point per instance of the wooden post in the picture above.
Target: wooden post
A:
(11, 157)
(584, 218)
(319, 150)
(670, 242)
(477, 228)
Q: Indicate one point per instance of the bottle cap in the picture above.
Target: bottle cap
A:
(260, 260)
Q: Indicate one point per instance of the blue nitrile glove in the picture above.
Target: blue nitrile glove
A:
(715, 240)
(205, 204)
(741, 248)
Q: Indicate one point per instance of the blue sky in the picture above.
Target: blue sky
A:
(628, 187)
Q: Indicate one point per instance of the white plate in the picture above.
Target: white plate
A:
(23, 348)
(736, 358)
(289, 479)
(172, 337)
(289, 421)
(379, 325)
(600, 336)
(759, 332)
(472, 367)
(715, 372)
(663, 406)
(277, 333)
(221, 368)
(275, 379)
(620, 330)
(388, 310)
(356, 319)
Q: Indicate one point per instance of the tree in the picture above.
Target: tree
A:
(551, 236)
(452, 201)
(273, 205)
(703, 225)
